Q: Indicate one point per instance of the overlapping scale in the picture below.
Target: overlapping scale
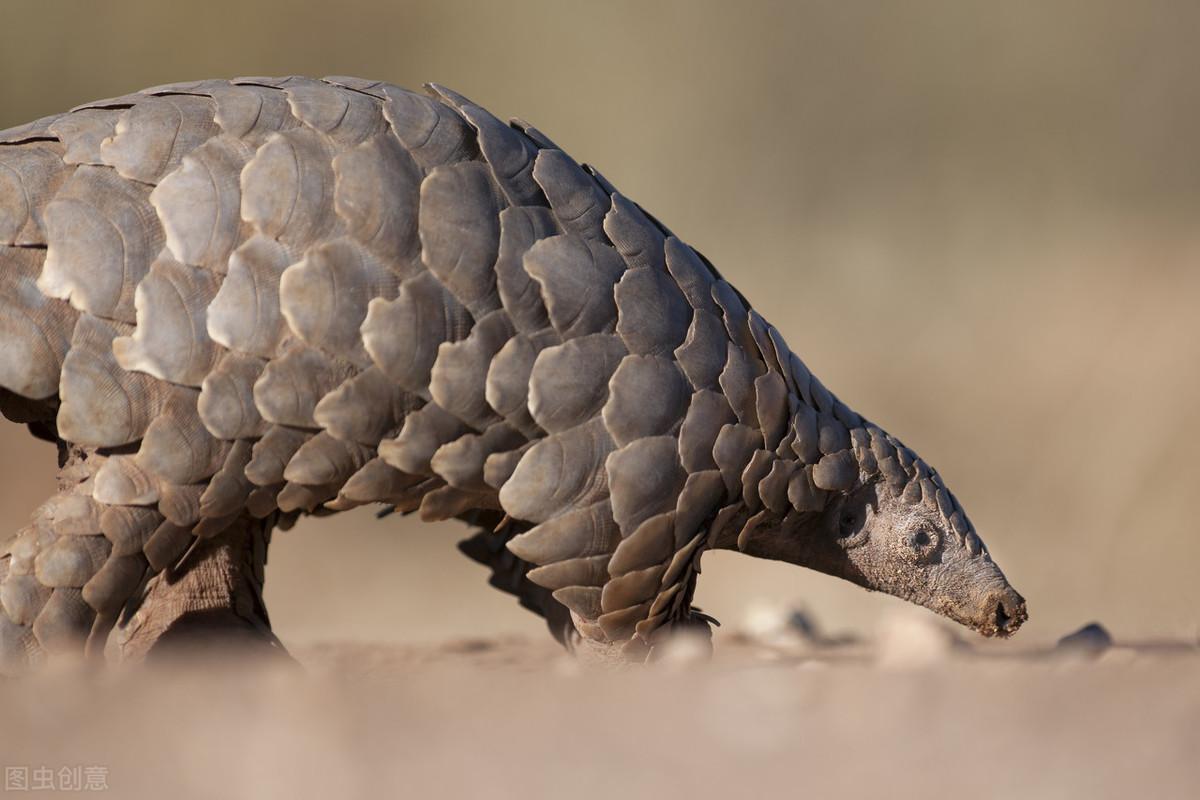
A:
(151, 138)
(36, 330)
(102, 236)
(30, 175)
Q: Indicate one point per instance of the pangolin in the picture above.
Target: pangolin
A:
(232, 303)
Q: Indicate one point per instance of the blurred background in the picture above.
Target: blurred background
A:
(977, 222)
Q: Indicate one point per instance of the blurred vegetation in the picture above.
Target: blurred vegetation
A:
(975, 221)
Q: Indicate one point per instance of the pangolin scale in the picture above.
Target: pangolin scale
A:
(231, 303)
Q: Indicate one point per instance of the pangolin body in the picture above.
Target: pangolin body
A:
(268, 297)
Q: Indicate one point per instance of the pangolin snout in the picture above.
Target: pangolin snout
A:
(1004, 612)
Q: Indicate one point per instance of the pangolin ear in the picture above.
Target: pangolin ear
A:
(850, 517)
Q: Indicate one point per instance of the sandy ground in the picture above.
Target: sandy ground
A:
(911, 714)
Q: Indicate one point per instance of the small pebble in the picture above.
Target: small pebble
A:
(1092, 639)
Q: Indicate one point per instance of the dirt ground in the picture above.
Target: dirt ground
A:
(914, 713)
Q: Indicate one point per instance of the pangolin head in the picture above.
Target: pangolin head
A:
(898, 529)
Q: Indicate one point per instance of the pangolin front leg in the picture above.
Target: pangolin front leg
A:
(86, 580)
(209, 601)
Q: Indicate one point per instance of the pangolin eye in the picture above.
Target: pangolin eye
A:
(923, 543)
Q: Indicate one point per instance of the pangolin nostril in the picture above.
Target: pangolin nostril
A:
(1002, 618)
